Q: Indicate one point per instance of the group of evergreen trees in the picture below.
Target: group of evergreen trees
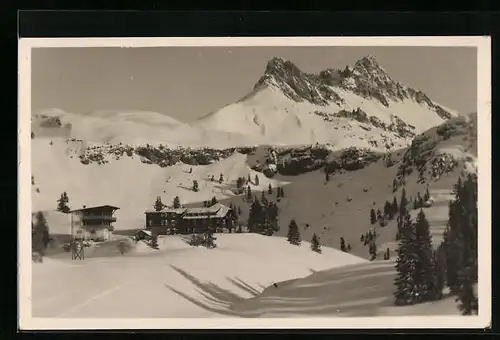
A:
(263, 217)
(62, 203)
(423, 272)
(459, 246)
(343, 247)
(294, 238)
(369, 238)
(390, 210)
(417, 275)
(158, 206)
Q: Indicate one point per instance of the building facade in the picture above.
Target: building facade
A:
(189, 220)
(93, 223)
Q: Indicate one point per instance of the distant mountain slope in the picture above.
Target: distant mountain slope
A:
(355, 107)
(359, 106)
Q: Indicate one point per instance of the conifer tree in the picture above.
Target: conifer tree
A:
(293, 235)
(342, 244)
(158, 206)
(282, 193)
(278, 193)
(327, 176)
(387, 209)
(315, 246)
(212, 179)
(177, 202)
(395, 206)
(195, 186)
(424, 271)
(249, 180)
(62, 203)
(270, 189)
(405, 263)
(427, 195)
(373, 216)
(39, 234)
(214, 201)
(256, 217)
(403, 203)
(349, 248)
(239, 210)
(256, 180)
(440, 271)
(209, 240)
(373, 250)
(249, 193)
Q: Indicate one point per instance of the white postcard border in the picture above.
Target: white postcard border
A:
(28, 322)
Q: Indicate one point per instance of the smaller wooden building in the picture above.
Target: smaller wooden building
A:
(93, 223)
(189, 220)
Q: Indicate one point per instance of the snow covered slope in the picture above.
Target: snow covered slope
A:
(128, 183)
(361, 290)
(174, 281)
(340, 207)
(359, 106)
(343, 108)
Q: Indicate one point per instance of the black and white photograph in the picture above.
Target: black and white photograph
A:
(258, 180)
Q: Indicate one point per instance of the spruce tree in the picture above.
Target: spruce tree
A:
(256, 180)
(158, 206)
(209, 239)
(427, 195)
(395, 206)
(249, 193)
(62, 203)
(278, 193)
(342, 244)
(373, 216)
(387, 209)
(327, 176)
(440, 271)
(221, 179)
(256, 217)
(214, 201)
(372, 249)
(282, 193)
(177, 202)
(195, 186)
(40, 234)
(270, 189)
(293, 235)
(405, 264)
(315, 246)
(424, 271)
(239, 210)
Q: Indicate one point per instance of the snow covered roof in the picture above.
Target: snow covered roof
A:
(178, 211)
(147, 232)
(95, 207)
(215, 211)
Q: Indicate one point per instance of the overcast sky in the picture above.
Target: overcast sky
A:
(189, 82)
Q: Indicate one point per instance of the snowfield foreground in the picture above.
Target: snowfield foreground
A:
(234, 280)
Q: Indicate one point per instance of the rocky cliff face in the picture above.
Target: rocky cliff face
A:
(367, 79)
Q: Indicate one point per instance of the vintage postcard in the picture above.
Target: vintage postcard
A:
(176, 183)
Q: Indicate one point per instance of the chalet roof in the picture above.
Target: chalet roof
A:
(221, 211)
(215, 211)
(144, 231)
(95, 207)
(168, 210)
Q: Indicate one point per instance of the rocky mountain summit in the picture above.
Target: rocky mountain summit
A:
(367, 79)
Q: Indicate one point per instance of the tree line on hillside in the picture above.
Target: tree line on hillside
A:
(423, 272)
